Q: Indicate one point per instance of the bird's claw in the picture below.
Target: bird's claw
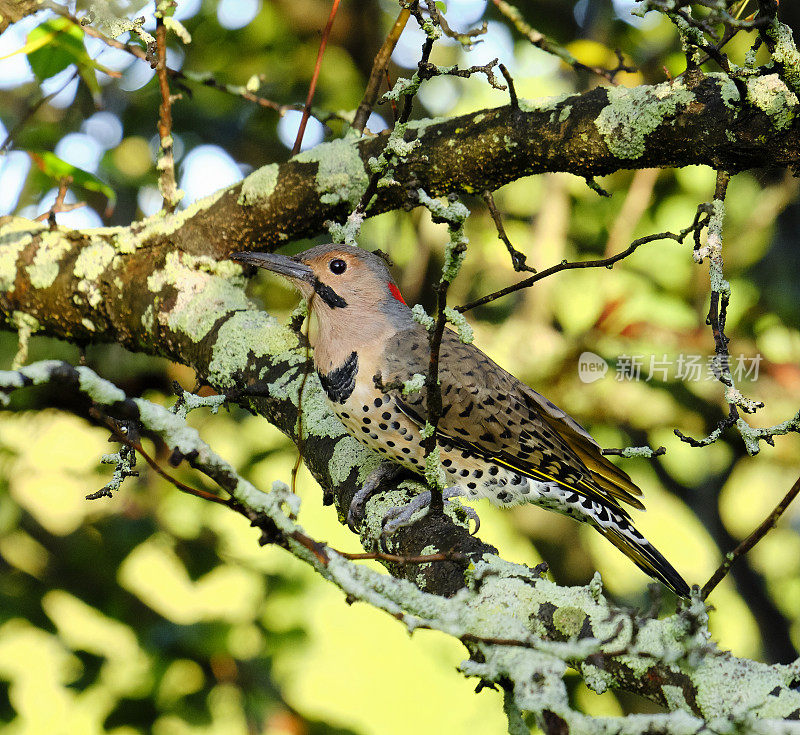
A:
(401, 516)
(383, 473)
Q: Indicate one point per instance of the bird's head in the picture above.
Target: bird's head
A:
(336, 276)
(345, 286)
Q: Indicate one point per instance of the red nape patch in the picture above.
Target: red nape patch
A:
(396, 293)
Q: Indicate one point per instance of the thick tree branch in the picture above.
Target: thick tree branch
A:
(522, 631)
(595, 133)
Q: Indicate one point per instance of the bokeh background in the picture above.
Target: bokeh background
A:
(154, 612)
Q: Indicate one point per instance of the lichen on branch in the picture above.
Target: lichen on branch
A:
(520, 630)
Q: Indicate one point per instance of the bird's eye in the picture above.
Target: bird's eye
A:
(338, 266)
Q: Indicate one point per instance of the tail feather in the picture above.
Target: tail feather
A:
(642, 553)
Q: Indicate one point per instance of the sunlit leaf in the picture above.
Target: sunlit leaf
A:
(58, 169)
(56, 44)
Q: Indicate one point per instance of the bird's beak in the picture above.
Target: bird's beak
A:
(281, 264)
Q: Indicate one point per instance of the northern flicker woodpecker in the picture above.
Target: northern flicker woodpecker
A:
(497, 438)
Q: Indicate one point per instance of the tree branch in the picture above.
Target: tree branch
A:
(159, 286)
(521, 630)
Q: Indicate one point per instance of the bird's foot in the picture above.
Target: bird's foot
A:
(398, 517)
(383, 473)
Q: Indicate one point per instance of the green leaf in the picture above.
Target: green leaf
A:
(55, 44)
(56, 168)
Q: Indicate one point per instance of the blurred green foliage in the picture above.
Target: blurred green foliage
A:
(153, 612)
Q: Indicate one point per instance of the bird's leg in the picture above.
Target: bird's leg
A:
(398, 517)
(384, 472)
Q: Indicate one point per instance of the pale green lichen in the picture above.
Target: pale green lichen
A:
(463, 327)
(201, 295)
(569, 621)
(597, 679)
(633, 113)
(420, 580)
(453, 255)
(596, 587)
(341, 177)
(350, 454)
(11, 245)
(112, 25)
(259, 186)
(728, 91)
(434, 472)
(90, 291)
(645, 452)
(454, 213)
(674, 696)
(188, 402)
(349, 231)
(299, 313)
(752, 436)
(397, 147)
(402, 87)
(99, 390)
(43, 270)
(93, 259)
(421, 126)
(250, 335)
(509, 143)
(771, 95)
(149, 319)
(26, 325)
(414, 384)
(317, 417)
(785, 52)
(178, 29)
(420, 316)
(545, 104)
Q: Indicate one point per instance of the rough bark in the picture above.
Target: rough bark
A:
(522, 631)
(13, 10)
(162, 286)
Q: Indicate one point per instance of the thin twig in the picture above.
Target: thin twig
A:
(433, 390)
(567, 265)
(206, 80)
(716, 318)
(768, 523)
(393, 103)
(551, 47)
(306, 371)
(512, 92)
(408, 100)
(429, 71)
(644, 451)
(380, 67)
(313, 86)
(397, 559)
(32, 110)
(466, 38)
(166, 161)
(58, 204)
(109, 423)
(517, 258)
